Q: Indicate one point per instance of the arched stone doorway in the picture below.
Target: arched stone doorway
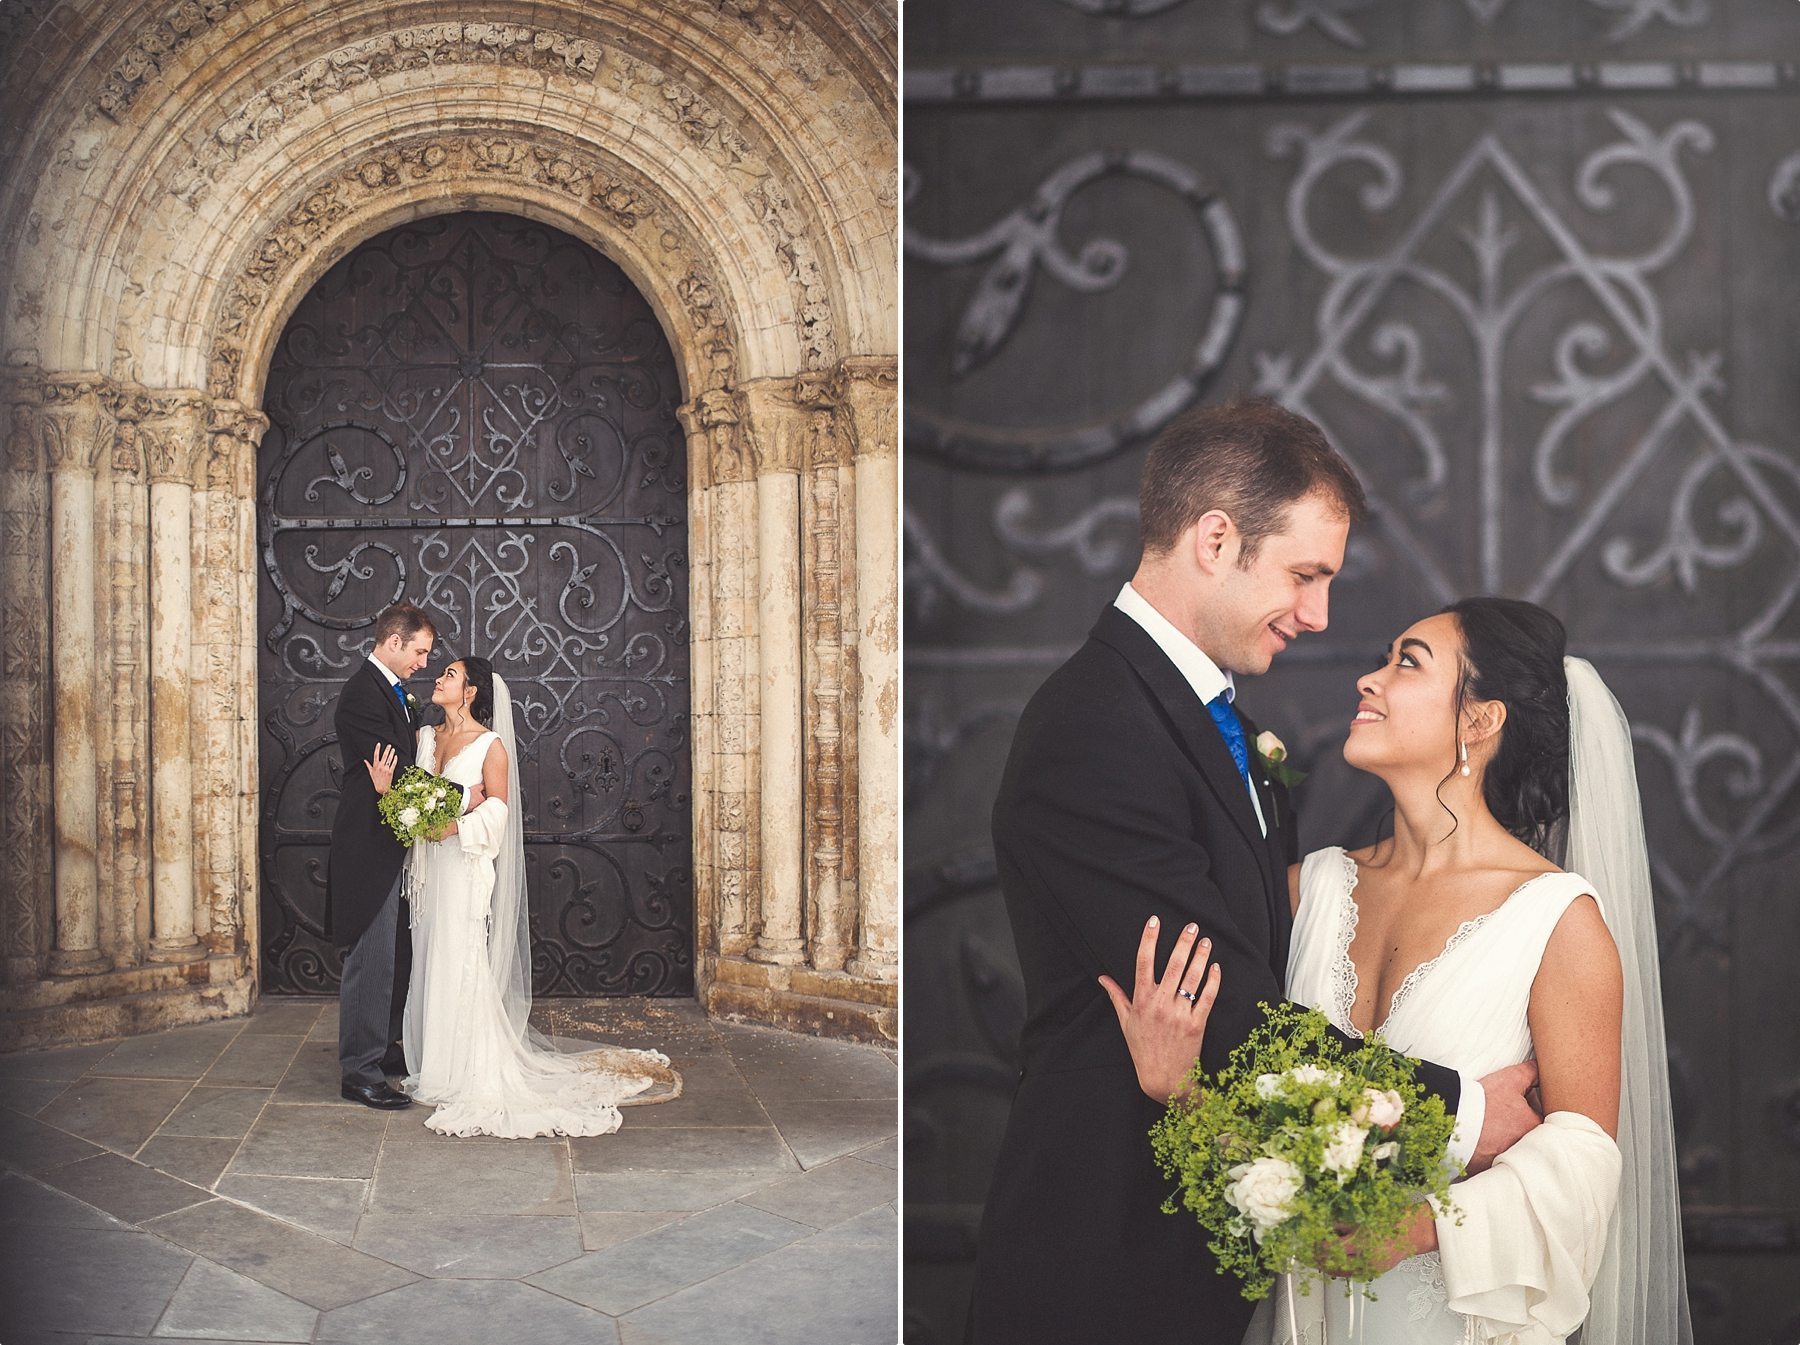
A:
(477, 413)
(169, 206)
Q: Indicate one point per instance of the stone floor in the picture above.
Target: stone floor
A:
(207, 1183)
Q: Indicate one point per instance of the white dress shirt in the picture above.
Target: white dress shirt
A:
(1206, 677)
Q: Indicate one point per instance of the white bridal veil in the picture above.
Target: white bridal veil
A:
(1640, 1294)
(509, 938)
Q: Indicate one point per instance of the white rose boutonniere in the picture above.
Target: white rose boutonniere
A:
(1273, 755)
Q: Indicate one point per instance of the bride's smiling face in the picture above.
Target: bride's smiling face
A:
(1406, 708)
(452, 689)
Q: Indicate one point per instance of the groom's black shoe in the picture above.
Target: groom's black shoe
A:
(377, 1095)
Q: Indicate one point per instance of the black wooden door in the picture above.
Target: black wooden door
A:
(476, 413)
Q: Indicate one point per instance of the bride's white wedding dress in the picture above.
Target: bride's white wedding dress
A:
(1541, 1248)
(467, 1045)
(1466, 1008)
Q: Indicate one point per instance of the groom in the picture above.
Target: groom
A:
(363, 877)
(1131, 791)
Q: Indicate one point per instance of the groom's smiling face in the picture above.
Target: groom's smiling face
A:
(1261, 606)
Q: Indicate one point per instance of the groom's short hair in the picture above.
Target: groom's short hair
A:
(1250, 459)
(404, 620)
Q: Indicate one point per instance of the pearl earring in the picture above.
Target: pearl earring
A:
(1465, 756)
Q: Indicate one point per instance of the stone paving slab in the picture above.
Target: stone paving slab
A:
(126, 1190)
(466, 1312)
(647, 1268)
(819, 1130)
(492, 1177)
(848, 1281)
(471, 1246)
(690, 1149)
(327, 1206)
(215, 1301)
(84, 1279)
(786, 1065)
(196, 1160)
(27, 1145)
(31, 1095)
(294, 1017)
(637, 1191)
(118, 1113)
(312, 1076)
(217, 1113)
(301, 1265)
(179, 1053)
(605, 1229)
(257, 1060)
(886, 1153)
(301, 1141)
(827, 1195)
(68, 1063)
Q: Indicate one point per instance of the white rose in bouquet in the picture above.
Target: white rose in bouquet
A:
(1382, 1109)
(1267, 1086)
(1344, 1151)
(409, 817)
(1263, 1191)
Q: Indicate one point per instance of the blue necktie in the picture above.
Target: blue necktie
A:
(400, 695)
(1233, 732)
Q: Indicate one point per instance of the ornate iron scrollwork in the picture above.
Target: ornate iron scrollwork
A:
(1019, 244)
(476, 413)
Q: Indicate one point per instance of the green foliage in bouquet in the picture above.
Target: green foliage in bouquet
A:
(418, 803)
(1299, 1140)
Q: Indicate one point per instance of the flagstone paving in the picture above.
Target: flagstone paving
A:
(207, 1183)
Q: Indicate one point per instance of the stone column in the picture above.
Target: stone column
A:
(127, 886)
(827, 535)
(76, 429)
(172, 439)
(724, 741)
(24, 669)
(778, 431)
(872, 391)
(224, 729)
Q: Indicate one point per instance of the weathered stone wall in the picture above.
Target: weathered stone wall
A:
(177, 177)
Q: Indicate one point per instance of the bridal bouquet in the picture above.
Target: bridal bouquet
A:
(418, 803)
(1298, 1141)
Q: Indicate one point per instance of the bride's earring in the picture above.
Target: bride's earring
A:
(1464, 746)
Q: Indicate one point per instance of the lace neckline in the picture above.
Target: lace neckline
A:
(1345, 982)
(439, 769)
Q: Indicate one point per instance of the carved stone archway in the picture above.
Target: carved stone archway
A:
(701, 148)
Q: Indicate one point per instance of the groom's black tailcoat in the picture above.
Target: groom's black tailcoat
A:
(365, 856)
(1120, 801)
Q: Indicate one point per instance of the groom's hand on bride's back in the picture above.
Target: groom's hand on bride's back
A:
(1511, 1112)
(1164, 1020)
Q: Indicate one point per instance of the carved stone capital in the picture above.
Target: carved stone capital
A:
(243, 425)
(174, 435)
(871, 389)
(779, 427)
(76, 426)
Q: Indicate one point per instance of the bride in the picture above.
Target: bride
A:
(469, 1046)
(1461, 941)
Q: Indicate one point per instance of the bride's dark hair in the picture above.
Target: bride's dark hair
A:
(1513, 653)
(480, 675)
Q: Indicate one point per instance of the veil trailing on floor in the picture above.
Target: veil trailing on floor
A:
(1640, 1293)
(509, 934)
